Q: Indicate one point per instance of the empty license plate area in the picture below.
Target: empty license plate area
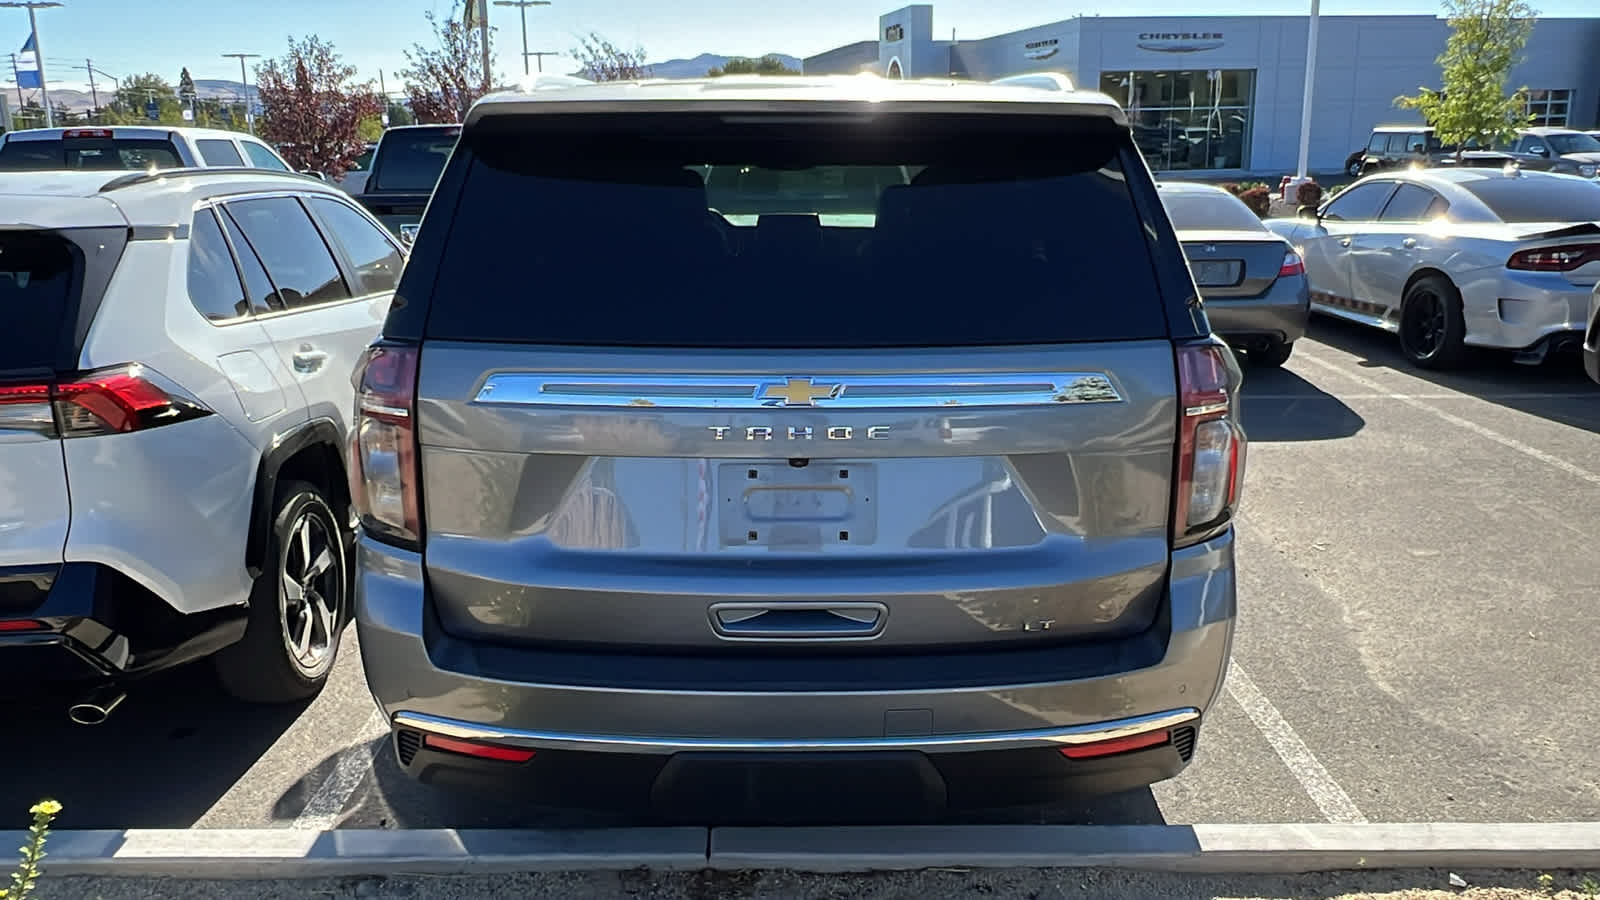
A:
(775, 504)
(1217, 272)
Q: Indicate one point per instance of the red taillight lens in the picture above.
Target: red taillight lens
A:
(482, 751)
(1116, 745)
(1292, 265)
(13, 626)
(112, 401)
(1211, 445)
(1554, 259)
(86, 133)
(383, 444)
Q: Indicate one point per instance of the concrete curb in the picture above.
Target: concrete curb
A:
(1232, 849)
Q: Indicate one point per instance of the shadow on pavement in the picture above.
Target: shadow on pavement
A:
(390, 799)
(1278, 405)
(1488, 375)
(174, 747)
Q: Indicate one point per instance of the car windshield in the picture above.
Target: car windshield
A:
(87, 153)
(1199, 211)
(1575, 142)
(1546, 199)
(411, 160)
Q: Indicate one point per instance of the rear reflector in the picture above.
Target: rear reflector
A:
(1292, 265)
(1116, 745)
(12, 626)
(481, 751)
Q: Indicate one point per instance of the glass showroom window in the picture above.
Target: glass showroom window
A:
(1549, 108)
(1188, 119)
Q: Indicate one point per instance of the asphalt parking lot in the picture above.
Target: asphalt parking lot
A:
(1418, 577)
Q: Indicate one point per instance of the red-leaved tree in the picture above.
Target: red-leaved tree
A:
(443, 80)
(312, 107)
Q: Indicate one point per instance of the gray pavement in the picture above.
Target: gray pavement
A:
(1418, 576)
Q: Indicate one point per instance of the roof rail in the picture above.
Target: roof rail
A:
(1050, 81)
(134, 178)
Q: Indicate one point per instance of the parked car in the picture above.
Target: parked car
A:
(1559, 150)
(175, 397)
(1591, 342)
(1252, 280)
(133, 148)
(1397, 146)
(1451, 258)
(851, 539)
(1353, 162)
(354, 181)
(405, 167)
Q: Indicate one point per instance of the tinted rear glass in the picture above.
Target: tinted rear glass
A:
(1539, 199)
(37, 296)
(412, 160)
(691, 231)
(1208, 211)
(88, 153)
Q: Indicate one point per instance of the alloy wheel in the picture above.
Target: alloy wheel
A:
(1423, 329)
(311, 591)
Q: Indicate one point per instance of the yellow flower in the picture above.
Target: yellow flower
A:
(46, 808)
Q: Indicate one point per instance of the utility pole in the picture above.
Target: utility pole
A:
(38, 49)
(249, 115)
(523, 6)
(539, 55)
(17, 74)
(88, 66)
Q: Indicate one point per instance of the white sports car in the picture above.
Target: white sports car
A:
(1451, 258)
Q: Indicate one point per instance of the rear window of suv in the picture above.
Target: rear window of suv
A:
(411, 160)
(704, 231)
(88, 153)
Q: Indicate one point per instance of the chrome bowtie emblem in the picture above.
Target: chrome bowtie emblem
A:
(799, 392)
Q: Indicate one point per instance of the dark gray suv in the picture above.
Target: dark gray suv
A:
(757, 449)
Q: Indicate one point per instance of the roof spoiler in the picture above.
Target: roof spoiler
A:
(1581, 229)
(1050, 81)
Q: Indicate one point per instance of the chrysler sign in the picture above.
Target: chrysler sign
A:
(1180, 41)
(1041, 49)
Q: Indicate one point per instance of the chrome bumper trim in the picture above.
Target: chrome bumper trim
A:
(999, 740)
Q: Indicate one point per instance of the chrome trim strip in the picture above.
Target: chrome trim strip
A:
(1043, 737)
(788, 391)
(1205, 410)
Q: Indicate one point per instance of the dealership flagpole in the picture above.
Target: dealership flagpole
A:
(1305, 107)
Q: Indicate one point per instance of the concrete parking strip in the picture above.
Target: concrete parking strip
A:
(1271, 848)
(1460, 422)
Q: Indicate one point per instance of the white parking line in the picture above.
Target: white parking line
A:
(327, 802)
(1556, 461)
(1570, 395)
(1330, 798)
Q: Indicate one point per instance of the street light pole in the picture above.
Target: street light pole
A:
(538, 55)
(523, 5)
(38, 50)
(249, 117)
(1305, 102)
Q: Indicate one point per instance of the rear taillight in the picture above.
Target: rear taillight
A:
(383, 444)
(1554, 259)
(1292, 265)
(1211, 445)
(18, 626)
(86, 133)
(110, 401)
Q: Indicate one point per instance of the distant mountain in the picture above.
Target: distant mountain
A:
(65, 98)
(705, 62)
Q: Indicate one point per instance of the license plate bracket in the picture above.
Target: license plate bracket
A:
(1217, 272)
(778, 505)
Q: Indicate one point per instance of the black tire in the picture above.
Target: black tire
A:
(1352, 166)
(291, 641)
(1432, 331)
(1272, 355)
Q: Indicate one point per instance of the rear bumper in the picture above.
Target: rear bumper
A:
(1524, 310)
(87, 622)
(664, 707)
(1279, 315)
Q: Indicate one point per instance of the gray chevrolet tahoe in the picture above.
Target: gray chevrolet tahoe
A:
(807, 449)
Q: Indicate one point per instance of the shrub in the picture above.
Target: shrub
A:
(1259, 199)
(1308, 194)
(1233, 187)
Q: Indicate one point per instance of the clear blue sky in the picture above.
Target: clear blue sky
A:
(128, 38)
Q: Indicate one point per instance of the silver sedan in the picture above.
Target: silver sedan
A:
(1252, 281)
(1454, 258)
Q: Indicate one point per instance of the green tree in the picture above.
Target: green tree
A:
(400, 114)
(1486, 41)
(743, 65)
(128, 105)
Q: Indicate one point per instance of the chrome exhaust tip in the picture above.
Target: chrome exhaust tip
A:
(97, 706)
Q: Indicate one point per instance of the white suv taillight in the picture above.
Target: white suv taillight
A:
(383, 444)
(1211, 445)
(108, 401)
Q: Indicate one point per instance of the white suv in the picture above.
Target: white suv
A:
(134, 147)
(175, 393)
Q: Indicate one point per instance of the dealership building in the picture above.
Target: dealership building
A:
(1224, 94)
